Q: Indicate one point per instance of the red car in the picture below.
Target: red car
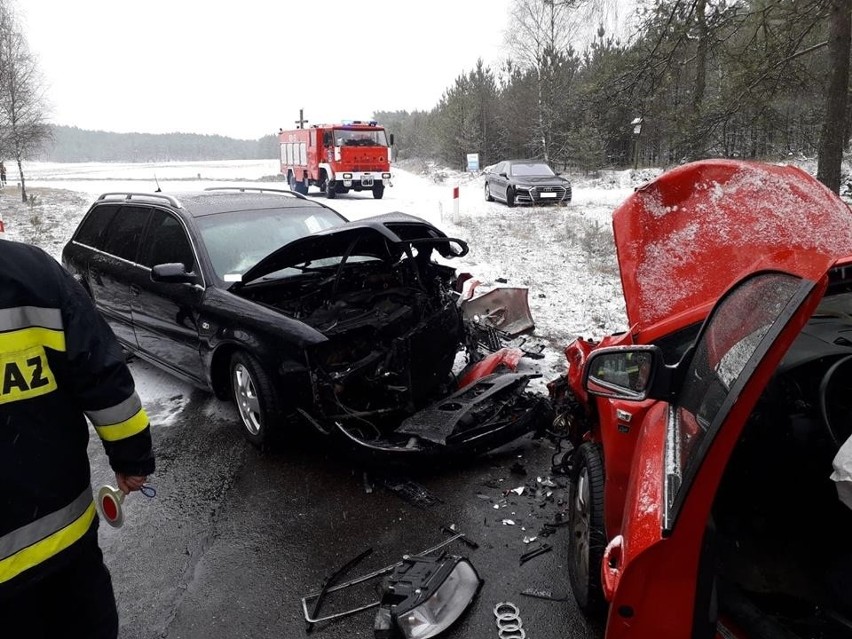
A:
(702, 502)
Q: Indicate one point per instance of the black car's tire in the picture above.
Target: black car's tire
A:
(378, 191)
(587, 540)
(488, 196)
(510, 197)
(258, 402)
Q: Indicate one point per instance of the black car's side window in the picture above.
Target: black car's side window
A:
(122, 235)
(91, 232)
(166, 242)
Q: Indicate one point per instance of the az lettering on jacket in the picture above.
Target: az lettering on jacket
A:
(25, 374)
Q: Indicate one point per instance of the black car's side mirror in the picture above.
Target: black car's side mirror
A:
(175, 273)
(504, 176)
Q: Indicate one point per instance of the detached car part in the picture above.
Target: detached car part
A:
(312, 598)
(424, 596)
(505, 309)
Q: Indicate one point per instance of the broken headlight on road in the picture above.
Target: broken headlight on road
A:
(424, 596)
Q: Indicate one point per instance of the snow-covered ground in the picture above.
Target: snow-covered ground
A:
(563, 255)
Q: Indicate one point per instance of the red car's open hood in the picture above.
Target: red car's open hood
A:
(684, 238)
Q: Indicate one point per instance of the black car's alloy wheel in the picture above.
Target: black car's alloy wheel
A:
(587, 542)
(256, 398)
(488, 196)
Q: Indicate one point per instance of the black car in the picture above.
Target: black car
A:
(527, 182)
(280, 303)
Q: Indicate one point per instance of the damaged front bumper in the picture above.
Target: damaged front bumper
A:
(484, 415)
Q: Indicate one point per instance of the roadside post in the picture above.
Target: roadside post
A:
(456, 203)
(637, 130)
(2, 226)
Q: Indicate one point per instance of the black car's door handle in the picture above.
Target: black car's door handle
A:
(135, 290)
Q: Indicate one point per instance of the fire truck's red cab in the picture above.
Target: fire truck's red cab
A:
(337, 158)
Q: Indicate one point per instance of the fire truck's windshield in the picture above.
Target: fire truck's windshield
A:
(355, 137)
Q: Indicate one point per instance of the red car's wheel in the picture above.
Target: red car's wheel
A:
(586, 524)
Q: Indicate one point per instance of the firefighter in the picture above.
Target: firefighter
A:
(59, 363)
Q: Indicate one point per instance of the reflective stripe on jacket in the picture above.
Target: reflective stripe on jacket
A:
(59, 362)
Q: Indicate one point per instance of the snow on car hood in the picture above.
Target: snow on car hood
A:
(383, 236)
(549, 180)
(685, 237)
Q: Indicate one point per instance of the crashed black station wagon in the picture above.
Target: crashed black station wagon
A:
(281, 304)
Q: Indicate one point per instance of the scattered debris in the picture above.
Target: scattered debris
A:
(529, 540)
(542, 594)
(509, 623)
(508, 522)
(453, 530)
(329, 582)
(536, 552)
(550, 528)
(547, 482)
(411, 491)
(518, 491)
(416, 583)
(328, 588)
(368, 485)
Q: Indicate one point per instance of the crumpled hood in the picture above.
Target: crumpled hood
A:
(383, 236)
(687, 236)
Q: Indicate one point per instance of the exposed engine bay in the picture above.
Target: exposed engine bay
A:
(393, 332)
(394, 325)
(784, 563)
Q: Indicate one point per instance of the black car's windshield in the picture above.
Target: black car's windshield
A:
(237, 240)
(529, 169)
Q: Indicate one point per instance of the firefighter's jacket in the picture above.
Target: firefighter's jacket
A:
(59, 363)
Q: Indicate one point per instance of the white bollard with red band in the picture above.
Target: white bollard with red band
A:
(2, 226)
(456, 203)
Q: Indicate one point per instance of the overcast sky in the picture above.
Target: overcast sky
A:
(188, 65)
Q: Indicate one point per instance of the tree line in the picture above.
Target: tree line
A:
(71, 144)
(694, 78)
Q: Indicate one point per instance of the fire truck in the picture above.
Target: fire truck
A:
(337, 158)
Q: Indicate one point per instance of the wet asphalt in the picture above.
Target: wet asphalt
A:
(236, 537)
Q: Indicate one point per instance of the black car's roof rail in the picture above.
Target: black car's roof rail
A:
(260, 189)
(129, 196)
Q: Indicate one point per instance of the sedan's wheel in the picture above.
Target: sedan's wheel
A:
(256, 398)
(510, 197)
(488, 196)
(587, 542)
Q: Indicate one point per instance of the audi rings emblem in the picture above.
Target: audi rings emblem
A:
(509, 624)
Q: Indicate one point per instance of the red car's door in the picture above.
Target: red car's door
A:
(650, 570)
